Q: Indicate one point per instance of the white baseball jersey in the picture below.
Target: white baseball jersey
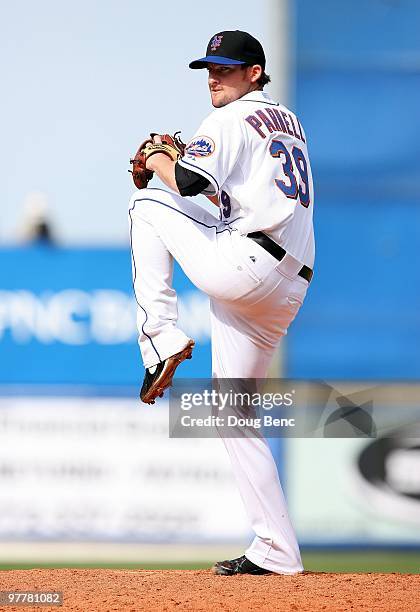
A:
(253, 152)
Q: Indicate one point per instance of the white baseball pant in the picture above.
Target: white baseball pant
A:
(254, 298)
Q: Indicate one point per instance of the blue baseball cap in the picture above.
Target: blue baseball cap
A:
(232, 47)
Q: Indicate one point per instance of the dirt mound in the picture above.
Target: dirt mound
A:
(89, 590)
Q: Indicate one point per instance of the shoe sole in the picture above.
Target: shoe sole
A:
(222, 570)
(165, 379)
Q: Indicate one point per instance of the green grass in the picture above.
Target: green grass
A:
(407, 562)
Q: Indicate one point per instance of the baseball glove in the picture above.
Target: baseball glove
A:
(141, 175)
(172, 146)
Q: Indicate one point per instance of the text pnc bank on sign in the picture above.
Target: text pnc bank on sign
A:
(68, 316)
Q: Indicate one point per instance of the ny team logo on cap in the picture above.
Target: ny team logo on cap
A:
(216, 42)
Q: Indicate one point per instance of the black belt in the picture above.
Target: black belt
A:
(278, 252)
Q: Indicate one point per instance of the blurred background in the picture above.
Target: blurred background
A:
(88, 476)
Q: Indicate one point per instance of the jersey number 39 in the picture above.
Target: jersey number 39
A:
(292, 188)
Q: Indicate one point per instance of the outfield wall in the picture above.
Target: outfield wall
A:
(82, 460)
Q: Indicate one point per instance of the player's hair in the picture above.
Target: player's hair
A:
(263, 80)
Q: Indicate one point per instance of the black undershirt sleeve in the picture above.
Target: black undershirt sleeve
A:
(189, 183)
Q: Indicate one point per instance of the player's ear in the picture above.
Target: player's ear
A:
(256, 73)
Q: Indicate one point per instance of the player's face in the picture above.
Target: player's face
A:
(228, 83)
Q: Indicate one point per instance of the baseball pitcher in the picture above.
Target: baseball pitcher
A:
(250, 157)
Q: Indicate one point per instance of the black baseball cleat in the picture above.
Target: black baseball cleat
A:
(242, 565)
(155, 383)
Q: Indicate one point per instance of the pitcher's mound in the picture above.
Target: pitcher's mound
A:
(91, 590)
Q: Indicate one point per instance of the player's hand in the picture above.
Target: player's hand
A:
(160, 146)
(153, 160)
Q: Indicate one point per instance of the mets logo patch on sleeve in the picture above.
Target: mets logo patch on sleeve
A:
(201, 146)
